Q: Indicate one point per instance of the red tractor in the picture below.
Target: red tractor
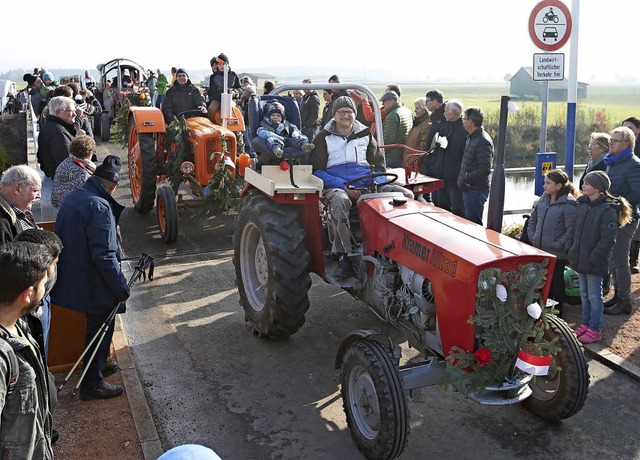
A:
(453, 286)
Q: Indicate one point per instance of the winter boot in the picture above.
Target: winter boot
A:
(622, 306)
(308, 147)
(612, 301)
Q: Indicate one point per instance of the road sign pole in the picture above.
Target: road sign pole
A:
(572, 93)
(543, 124)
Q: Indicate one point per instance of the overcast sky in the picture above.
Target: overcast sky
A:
(428, 40)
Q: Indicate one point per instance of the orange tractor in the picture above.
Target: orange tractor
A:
(151, 160)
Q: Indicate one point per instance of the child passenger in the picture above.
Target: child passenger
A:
(550, 227)
(598, 216)
(279, 133)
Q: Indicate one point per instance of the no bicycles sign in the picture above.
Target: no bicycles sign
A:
(550, 25)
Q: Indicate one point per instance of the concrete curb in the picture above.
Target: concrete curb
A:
(613, 361)
(145, 426)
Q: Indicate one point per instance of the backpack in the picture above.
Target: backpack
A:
(524, 236)
(7, 353)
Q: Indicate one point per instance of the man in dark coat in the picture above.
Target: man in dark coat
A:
(435, 105)
(181, 97)
(476, 165)
(90, 279)
(446, 159)
(56, 134)
(310, 112)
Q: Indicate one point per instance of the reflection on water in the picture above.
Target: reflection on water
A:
(520, 193)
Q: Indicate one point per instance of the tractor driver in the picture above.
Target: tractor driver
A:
(183, 96)
(345, 150)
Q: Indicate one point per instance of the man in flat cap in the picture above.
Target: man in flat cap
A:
(90, 279)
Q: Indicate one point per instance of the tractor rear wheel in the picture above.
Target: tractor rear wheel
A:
(374, 401)
(167, 212)
(105, 127)
(142, 169)
(562, 393)
(272, 266)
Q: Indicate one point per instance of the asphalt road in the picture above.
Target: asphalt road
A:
(210, 381)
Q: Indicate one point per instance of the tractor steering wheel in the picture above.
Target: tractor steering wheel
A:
(374, 185)
(191, 112)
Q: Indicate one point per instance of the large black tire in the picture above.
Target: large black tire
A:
(142, 169)
(167, 212)
(562, 393)
(272, 266)
(374, 401)
(105, 127)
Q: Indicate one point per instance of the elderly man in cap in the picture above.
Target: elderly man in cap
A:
(182, 97)
(20, 187)
(90, 279)
(396, 127)
(346, 150)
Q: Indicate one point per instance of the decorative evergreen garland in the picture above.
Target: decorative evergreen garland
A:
(177, 143)
(222, 193)
(121, 131)
(508, 319)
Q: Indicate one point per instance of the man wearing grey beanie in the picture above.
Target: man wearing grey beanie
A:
(346, 150)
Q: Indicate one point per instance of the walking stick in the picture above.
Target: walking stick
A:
(140, 271)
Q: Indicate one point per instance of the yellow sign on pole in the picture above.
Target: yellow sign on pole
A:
(546, 167)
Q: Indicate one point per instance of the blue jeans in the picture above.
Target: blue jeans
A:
(159, 100)
(474, 201)
(592, 301)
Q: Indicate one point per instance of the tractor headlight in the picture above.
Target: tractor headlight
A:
(187, 168)
(488, 279)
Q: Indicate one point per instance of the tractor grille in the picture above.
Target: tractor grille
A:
(213, 146)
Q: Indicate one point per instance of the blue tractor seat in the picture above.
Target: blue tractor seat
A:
(257, 145)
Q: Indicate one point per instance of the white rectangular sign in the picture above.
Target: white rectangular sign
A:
(548, 66)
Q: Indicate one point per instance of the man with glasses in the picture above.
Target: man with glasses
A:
(623, 168)
(20, 187)
(56, 134)
(345, 150)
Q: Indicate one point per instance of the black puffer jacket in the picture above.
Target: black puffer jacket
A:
(181, 98)
(53, 144)
(216, 84)
(476, 162)
(595, 235)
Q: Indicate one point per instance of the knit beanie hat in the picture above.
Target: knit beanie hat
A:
(109, 169)
(47, 76)
(598, 180)
(184, 71)
(389, 96)
(274, 107)
(342, 102)
(223, 57)
(81, 102)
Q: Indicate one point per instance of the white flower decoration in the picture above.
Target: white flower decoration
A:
(501, 293)
(534, 310)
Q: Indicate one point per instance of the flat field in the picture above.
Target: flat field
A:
(618, 101)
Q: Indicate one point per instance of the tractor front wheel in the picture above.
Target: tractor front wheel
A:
(272, 266)
(142, 169)
(374, 401)
(563, 392)
(167, 212)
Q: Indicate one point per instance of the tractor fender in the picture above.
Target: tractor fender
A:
(147, 119)
(377, 335)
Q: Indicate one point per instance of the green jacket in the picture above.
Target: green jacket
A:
(162, 84)
(395, 129)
